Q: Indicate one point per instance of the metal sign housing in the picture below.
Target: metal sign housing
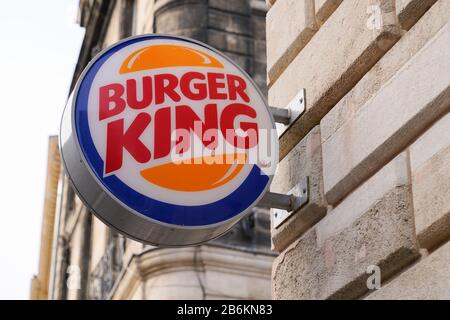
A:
(120, 154)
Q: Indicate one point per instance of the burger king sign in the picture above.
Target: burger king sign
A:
(167, 140)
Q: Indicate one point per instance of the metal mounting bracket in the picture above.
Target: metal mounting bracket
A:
(294, 109)
(285, 205)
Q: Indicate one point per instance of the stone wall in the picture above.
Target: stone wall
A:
(374, 141)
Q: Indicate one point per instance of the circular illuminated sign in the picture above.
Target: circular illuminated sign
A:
(168, 141)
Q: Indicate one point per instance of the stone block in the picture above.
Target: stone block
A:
(430, 169)
(392, 61)
(325, 8)
(329, 66)
(392, 175)
(258, 74)
(237, 6)
(243, 61)
(428, 279)
(230, 42)
(296, 271)
(259, 52)
(409, 11)
(304, 160)
(174, 18)
(290, 24)
(430, 143)
(333, 265)
(197, 34)
(390, 120)
(229, 22)
(258, 22)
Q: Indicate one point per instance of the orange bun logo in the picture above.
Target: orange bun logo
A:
(165, 56)
(175, 131)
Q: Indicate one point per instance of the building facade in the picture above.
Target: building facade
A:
(82, 258)
(374, 141)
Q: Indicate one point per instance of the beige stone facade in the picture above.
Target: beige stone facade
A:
(374, 141)
(82, 258)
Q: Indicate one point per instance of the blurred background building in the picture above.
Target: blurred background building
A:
(80, 257)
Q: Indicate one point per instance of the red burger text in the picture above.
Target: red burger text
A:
(160, 97)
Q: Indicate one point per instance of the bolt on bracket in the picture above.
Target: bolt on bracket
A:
(285, 205)
(294, 110)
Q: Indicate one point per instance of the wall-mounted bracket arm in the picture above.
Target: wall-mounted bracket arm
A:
(294, 109)
(286, 205)
(277, 200)
(281, 115)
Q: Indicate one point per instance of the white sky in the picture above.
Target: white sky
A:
(39, 46)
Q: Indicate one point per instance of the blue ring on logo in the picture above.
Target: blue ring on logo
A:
(233, 204)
